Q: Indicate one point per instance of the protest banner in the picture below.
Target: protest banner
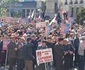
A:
(44, 56)
(42, 25)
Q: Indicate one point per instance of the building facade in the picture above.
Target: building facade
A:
(22, 9)
(73, 6)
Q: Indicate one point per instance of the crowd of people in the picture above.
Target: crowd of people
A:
(19, 42)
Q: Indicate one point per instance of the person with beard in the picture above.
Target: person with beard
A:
(34, 48)
(59, 55)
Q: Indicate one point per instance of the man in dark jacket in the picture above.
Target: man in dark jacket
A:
(20, 60)
(34, 48)
(27, 54)
(59, 54)
(68, 51)
(12, 48)
(76, 46)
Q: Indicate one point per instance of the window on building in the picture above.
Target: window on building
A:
(56, 7)
(76, 2)
(23, 12)
(71, 2)
(28, 12)
(66, 2)
(81, 1)
(72, 11)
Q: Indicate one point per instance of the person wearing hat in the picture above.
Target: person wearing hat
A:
(12, 48)
(50, 44)
(81, 51)
(20, 60)
(27, 54)
(68, 51)
(59, 55)
(43, 46)
(34, 48)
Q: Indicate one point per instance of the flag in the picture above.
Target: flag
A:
(54, 20)
(67, 27)
(33, 14)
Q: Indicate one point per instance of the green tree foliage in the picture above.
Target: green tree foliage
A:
(80, 16)
(12, 0)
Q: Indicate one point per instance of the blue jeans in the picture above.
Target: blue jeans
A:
(81, 62)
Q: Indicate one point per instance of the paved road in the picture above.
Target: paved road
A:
(35, 69)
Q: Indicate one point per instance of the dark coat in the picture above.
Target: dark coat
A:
(11, 50)
(58, 55)
(76, 43)
(27, 51)
(1, 45)
(34, 47)
(20, 51)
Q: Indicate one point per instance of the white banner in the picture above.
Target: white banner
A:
(44, 56)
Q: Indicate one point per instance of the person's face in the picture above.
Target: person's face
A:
(56, 39)
(30, 41)
(65, 42)
(25, 37)
(73, 36)
(33, 38)
(20, 40)
(61, 42)
(43, 44)
(49, 40)
(5, 37)
(13, 39)
(78, 35)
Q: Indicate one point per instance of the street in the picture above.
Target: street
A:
(35, 69)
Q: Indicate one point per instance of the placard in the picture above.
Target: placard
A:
(44, 56)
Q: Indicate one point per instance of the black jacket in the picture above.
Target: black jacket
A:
(20, 51)
(27, 52)
(58, 55)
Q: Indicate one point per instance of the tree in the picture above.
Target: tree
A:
(80, 16)
(12, 0)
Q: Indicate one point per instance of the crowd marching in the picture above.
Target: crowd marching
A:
(19, 42)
